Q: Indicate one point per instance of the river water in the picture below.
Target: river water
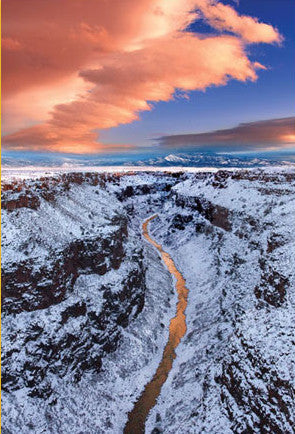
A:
(177, 329)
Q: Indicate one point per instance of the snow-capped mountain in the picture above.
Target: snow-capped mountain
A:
(151, 159)
(87, 301)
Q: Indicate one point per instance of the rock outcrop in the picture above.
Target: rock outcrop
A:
(80, 314)
(28, 286)
(217, 215)
(54, 324)
(72, 337)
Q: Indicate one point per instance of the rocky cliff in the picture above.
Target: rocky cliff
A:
(87, 303)
(54, 323)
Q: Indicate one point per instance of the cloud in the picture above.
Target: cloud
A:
(261, 135)
(74, 67)
(10, 44)
(224, 17)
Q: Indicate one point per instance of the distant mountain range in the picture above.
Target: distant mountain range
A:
(211, 160)
(145, 159)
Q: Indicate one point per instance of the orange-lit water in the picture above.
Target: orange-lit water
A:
(177, 329)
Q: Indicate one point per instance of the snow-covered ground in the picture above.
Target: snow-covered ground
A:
(228, 323)
(231, 234)
(32, 172)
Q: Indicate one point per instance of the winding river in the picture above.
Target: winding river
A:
(177, 329)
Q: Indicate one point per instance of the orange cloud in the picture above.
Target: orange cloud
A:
(117, 57)
(10, 44)
(224, 17)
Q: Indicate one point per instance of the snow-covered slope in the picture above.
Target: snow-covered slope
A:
(87, 302)
(235, 369)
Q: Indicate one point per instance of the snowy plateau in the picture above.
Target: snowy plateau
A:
(87, 301)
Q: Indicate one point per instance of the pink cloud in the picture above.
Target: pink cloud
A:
(224, 17)
(10, 44)
(120, 59)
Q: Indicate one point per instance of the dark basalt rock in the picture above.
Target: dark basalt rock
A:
(82, 348)
(25, 286)
(23, 200)
(78, 336)
(27, 194)
(148, 189)
(220, 179)
(61, 348)
(217, 215)
(82, 334)
(78, 309)
(274, 242)
(272, 288)
(180, 221)
(245, 402)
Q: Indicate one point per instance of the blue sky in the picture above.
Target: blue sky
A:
(271, 96)
(78, 89)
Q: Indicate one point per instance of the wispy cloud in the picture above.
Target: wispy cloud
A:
(262, 135)
(73, 67)
(224, 17)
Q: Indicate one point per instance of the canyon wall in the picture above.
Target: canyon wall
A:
(86, 303)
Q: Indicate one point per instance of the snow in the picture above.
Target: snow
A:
(33, 172)
(74, 214)
(176, 158)
(225, 320)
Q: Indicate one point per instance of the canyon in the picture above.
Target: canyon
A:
(87, 301)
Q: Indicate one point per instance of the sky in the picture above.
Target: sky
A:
(118, 76)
